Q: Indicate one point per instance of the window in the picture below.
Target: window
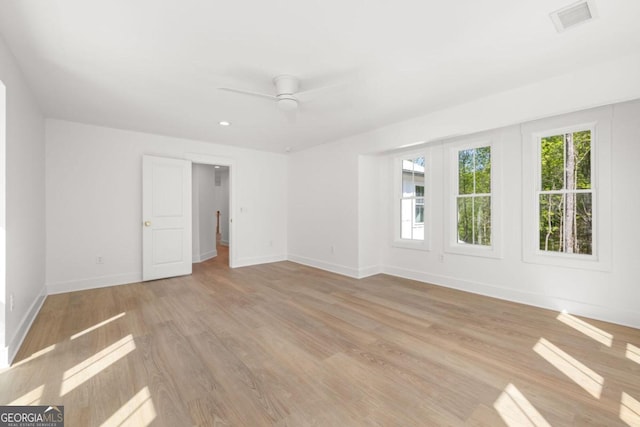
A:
(472, 215)
(565, 193)
(566, 220)
(473, 198)
(411, 203)
(412, 198)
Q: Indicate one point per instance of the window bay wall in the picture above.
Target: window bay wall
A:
(343, 197)
(537, 213)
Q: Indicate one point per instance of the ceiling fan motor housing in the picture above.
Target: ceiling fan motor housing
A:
(286, 84)
(286, 87)
(287, 103)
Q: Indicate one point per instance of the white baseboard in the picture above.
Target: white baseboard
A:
(327, 266)
(224, 242)
(204, 256)
(369, 271)
(25, 324)
(622, 317)
(245, 262)
(93, 283)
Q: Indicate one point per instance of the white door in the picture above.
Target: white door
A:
(166, 217)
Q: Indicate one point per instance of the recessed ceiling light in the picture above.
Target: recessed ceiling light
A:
(224, 123)
(216, 167)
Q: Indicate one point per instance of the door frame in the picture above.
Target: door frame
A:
(206, 159)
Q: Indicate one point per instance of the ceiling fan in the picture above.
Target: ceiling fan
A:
(286, 94)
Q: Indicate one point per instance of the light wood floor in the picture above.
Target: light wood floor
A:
(283, 344)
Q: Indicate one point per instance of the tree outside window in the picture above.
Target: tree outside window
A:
(473, 199)
(565, 198)
(419, 204)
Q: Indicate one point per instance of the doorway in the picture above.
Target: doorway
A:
(231, 242)
(210, 213)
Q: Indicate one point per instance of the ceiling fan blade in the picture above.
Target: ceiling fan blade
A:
(310, 93)
(337, 83)
(246, 92)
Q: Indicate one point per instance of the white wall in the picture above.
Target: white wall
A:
(22, 209)
(369, 215)
(195, 215)
(94, 202)
(323, 208)
(325, 204)
(203, 213)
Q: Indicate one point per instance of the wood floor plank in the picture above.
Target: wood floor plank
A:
(288, 345)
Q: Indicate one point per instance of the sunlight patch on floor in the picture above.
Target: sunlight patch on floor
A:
(516, 410)
(93, 365)
(633, 353)
(138, 411)
(582, 375)
(33, 356)
(629, 410)
(96, 326)
(586, 328)
(30, 398)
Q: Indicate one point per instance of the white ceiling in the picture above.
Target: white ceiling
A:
(155, 66)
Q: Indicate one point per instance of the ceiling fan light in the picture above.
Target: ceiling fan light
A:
(287, 104)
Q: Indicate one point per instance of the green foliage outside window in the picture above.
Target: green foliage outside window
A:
(474, 196)
(566, 196)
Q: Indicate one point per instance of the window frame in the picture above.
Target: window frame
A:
(594, 194)
(452, 245)
(398, 241)
(599, 123)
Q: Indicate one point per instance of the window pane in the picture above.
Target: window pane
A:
(566, 223)
(418, 231)
(418, 180)
(465, 171)
(482, 220)
(582, 164)
(419, 190)
(406, 214)
(552, 162)
(465, 220)
(483, 170)
(407, 165)
(408, 187)
(583, 224)
(551, 221)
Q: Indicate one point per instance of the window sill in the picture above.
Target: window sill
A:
(474, 250)
(586, 262)
(417, 245)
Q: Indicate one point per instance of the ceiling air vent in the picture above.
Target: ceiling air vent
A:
(572, 15)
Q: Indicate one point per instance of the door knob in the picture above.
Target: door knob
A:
(147, 223)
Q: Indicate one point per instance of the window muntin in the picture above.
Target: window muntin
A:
(565, 194)
(473, 197)
(412, 201)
